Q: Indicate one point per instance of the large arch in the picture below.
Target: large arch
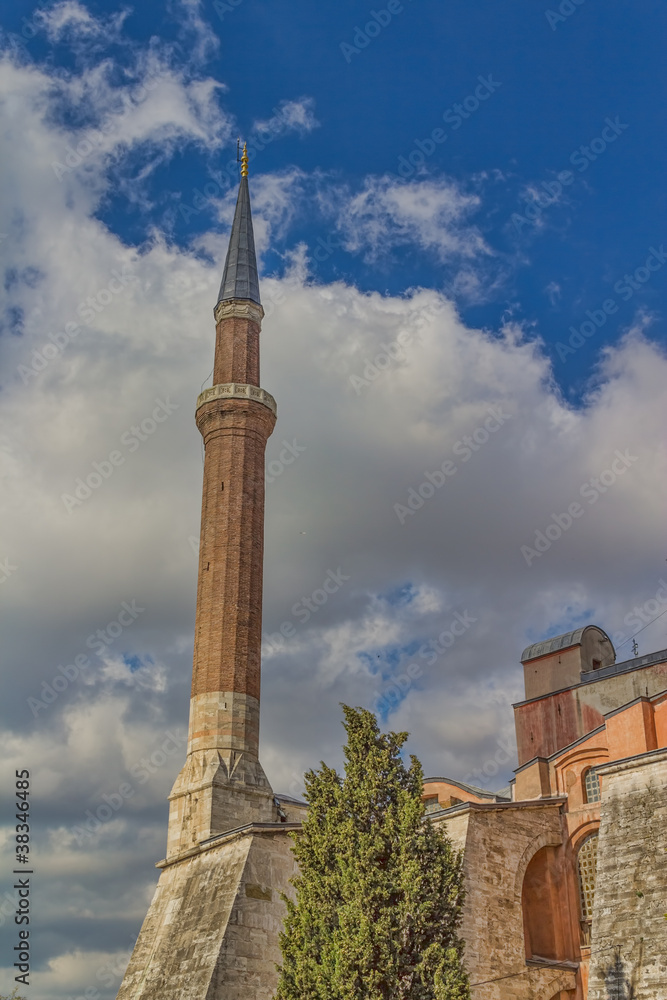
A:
(542, 840)
(539, 919)
(563, 986)
(544, 907)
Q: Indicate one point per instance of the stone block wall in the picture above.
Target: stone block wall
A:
(211, 932)
(499, 843)
(629, 938)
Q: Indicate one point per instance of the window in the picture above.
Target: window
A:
(586, 862)
(591, 786)
(431, 804)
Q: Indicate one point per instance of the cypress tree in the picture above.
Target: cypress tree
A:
(379, 890)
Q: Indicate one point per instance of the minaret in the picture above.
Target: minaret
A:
(222, 785)
(212, 928)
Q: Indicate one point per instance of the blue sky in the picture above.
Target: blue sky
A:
(557, 81)
(428, 235)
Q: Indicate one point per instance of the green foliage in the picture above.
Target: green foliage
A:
(13, 995)
(379, 889)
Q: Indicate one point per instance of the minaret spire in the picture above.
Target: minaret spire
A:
(239, 278)
(222, 785)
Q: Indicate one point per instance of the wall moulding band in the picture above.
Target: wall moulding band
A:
(236, 390)
(243, 308)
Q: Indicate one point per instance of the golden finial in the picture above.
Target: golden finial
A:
(244, 161)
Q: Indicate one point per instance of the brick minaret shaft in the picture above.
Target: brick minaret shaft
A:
(222, 785)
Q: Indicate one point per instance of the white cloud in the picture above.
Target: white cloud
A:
(433, 214)
(72, 21)
(290, 116)
(196, 32)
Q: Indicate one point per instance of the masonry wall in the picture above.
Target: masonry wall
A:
(211, 932)
(629, 940)
(499, 843)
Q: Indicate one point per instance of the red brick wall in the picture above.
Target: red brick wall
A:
(228, 625)
(236, 351)
(546, 725)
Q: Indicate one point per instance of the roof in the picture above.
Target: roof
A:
(602, 673)
(290, 799)
(481, 793)
(239, 278)
(563, 641)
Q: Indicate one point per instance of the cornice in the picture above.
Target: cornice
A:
(240, 308)
(237, 390)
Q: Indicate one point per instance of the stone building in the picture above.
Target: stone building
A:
(566, 875)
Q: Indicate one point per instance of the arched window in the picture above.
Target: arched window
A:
(586, 863)
(591, 785)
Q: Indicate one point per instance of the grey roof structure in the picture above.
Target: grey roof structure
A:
(482, 793)
(239, 278)
(563, 641)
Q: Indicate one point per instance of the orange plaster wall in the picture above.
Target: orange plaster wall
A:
(631, 731)
(660, 720)
(552, 672)
(446, 791)
(533, 781)
(555, 721)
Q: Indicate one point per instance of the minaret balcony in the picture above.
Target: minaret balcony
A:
(236, 390)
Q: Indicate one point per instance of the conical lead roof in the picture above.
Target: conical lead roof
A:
(239, 278)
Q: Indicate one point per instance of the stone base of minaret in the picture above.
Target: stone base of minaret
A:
(215, 792)
(212, 930)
